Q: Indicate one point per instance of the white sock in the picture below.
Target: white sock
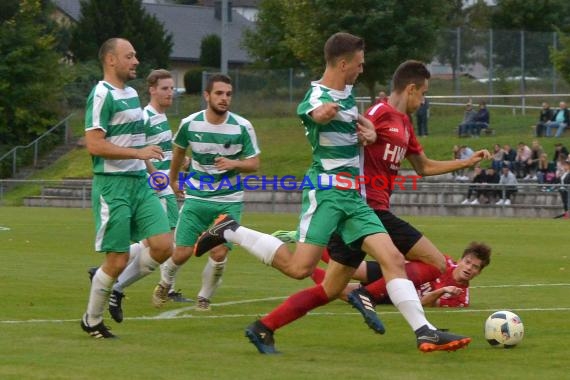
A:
(134, 250)
(168, 272)
(212, 277)
(260, 245)
(405, 297)
(98, 297)
(142, 265)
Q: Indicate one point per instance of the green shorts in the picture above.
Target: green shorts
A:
(126, 209)
(170, 206)
(325, 211)
(197, 215)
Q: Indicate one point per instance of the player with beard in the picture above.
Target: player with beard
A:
(222, 145)
(124, 206)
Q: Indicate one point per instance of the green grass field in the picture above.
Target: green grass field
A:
(45, 254)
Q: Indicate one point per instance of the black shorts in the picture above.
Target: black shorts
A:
(343, 253)
(402, 233)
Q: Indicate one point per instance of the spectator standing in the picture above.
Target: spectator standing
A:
(544, 117)
(422, 116)
(382, 97)
(563, 189)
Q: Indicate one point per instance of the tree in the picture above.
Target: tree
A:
(30, 80)
(103, 19)
(529, 16)
(465, 24)
(390, 29)
(211, 51)
(561, 57)
(266, 43)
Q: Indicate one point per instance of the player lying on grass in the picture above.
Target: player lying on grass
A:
(451, 289)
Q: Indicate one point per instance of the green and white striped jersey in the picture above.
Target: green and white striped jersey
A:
(118, 113)
(234, 139)
(157, 131)
(335, 144)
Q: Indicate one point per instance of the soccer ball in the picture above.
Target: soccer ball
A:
(504, 329)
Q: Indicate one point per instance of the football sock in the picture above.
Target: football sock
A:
(168, 272)
(135, 249)
(295, 307)
(318, 275)
(260, 245)
(212, 277)
(98, 297)
(141, 266)
(405, 297)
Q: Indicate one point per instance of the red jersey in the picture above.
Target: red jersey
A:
(381, 161)
(446, 279)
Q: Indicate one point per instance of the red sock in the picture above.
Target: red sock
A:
(418, 273)
(326, 257)
(295, 307)
(318, 275)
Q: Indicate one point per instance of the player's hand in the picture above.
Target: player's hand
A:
(150, 152)
(224, 163)
(325, 112)
(480, 155)
(178, 191)
(452, 290)
(366, 132)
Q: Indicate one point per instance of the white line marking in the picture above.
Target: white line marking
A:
(516, 286)
(200, 315)
(174, 314)
(2, 228)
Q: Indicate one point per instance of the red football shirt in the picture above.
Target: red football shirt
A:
(446, 279)
(381, 161)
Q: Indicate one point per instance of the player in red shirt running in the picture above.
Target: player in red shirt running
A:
(382, 159)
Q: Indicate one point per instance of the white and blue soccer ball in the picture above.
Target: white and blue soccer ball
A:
(504, 329)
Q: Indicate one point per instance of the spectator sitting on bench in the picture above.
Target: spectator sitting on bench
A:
(508, 186)
(559, 121)
(492, 178)
(546, 170)
(545, 117)
(532, 162)
(481, 120)
(521, 159)
(468, 119)
(479, 178)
